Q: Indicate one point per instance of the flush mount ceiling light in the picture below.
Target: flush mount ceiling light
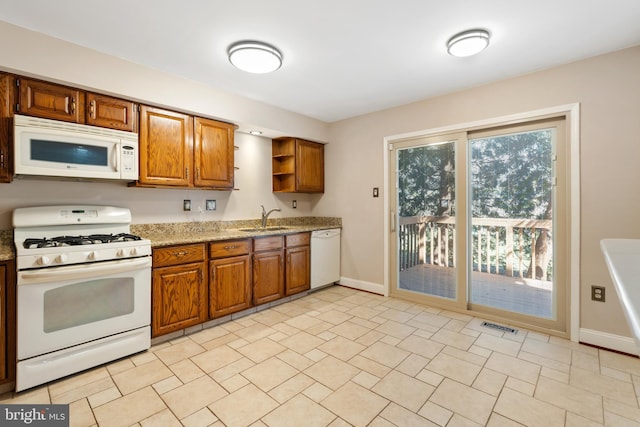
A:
(468, 43)
(255, 57)
(255, 132)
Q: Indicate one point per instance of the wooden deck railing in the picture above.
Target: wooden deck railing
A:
(500, 246)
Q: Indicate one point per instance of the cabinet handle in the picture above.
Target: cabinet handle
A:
(181, 253)
(230, 247)
(186, 171)
(73, 105)
(1, 158)
(92, 109)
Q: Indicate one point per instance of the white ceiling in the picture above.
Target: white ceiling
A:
(342, 58)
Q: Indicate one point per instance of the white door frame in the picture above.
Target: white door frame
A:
(573, 125)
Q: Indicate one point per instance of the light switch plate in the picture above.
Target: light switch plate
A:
(186, 205)
(376, 192)
(210, 205)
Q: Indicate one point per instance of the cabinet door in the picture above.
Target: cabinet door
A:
(268, 276)
(298, 270)
(309, 167)
(166, 138)
(113, 113)
(7, 321)
(229, 285)
(213, 154)
(178, 297)
(50, 101)
(3, 321)
(6, 129)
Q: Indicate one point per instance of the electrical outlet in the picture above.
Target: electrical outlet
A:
(210, 205)
(598, 293)
(186, 205)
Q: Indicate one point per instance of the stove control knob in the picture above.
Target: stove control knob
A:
(43, 260)
(62, 258)
(120, 252)
(133, 251)
(93, 255)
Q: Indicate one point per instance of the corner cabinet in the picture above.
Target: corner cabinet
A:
(7, 321)
(297, 166)
(179, 288)
(6, 128)
(171, 157)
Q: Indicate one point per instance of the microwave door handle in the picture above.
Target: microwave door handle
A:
(116, 156)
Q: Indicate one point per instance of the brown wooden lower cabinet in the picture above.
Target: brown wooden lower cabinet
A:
(7, 321)
(179, 288)
(268, 269)
(298, 263)
(229, 277)
(189, 287)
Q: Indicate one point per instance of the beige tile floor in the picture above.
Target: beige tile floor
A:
(340, 357)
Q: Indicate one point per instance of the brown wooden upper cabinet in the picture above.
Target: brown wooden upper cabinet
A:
(53, 101)
(213, 154)
(113, 113)
(6, 129)
(298, 166)
(170, 156)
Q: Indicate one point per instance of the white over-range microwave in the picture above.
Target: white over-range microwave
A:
(53, 148)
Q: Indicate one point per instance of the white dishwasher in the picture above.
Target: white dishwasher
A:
(325, 257)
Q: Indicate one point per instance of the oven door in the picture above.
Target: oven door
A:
(61, 307)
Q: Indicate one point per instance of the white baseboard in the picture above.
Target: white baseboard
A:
(610, 341)
(376, 288)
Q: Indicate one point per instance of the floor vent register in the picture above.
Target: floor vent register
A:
(499, 327)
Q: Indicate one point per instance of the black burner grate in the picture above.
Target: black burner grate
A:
(91, 239)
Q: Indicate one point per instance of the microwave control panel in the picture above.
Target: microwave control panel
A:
(129, 161)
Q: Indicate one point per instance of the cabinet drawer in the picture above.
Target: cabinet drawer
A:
(300, 239)
(229, 248)
(268, 243)
(175, 255)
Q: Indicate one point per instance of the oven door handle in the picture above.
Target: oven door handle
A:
(82, 271)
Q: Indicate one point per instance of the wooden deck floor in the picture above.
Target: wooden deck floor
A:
(526, 296)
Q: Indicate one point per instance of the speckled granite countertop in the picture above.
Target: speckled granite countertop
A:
(180, 233)
(197, 232)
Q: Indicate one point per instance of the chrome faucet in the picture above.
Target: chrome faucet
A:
(266, 214)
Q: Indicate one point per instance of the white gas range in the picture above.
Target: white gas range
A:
(83, 290)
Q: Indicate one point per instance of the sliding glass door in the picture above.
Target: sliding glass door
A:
(427, 182)
(478, 221)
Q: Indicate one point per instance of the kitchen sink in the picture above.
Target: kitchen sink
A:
(260, 229)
